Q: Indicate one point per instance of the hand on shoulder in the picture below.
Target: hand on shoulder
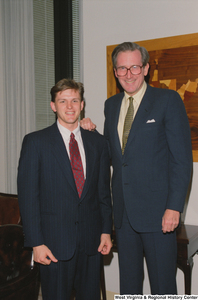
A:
(87, 124)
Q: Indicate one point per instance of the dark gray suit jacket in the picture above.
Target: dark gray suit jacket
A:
(154, 173)
(48, 198)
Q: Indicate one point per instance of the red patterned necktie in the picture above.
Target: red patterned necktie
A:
(76, 164)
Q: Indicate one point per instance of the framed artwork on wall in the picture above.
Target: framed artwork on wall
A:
(173, 65)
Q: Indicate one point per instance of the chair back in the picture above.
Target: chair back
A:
(19, 280)
(14, 259)
(9, 209)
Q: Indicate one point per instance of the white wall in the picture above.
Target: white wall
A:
(108, 22)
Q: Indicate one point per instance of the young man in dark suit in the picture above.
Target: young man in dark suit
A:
(150, 147)
(64, 199)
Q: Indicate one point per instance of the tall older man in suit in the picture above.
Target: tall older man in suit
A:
(150, 145)
(64, 199)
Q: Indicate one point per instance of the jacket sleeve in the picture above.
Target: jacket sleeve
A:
(28, 192)
(180, 152)
(104, 189)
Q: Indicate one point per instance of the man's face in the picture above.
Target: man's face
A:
(68, 106)
(131, 83)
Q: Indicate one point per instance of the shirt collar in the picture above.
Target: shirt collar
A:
(139, 95)
(66, 132)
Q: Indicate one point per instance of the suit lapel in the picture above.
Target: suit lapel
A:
(60, 153)
(90, 159)
(115, 117)
(141, 115)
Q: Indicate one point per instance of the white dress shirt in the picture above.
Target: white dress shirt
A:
(66, 138)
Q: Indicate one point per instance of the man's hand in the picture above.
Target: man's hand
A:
(170, 220)
(43, 255)
(87, 124)
(105, 244)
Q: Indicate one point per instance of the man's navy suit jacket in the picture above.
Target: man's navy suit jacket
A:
(48, 199)
(154, 173)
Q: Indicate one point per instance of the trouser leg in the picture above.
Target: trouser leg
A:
(161, 257)
(130, 254)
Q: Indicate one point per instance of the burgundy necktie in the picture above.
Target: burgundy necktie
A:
(76, 164)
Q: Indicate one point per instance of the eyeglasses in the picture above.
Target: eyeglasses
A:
(135, 70)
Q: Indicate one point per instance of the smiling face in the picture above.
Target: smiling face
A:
(68, 106)
(131, 83)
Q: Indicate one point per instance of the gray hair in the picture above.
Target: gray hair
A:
(129, 46)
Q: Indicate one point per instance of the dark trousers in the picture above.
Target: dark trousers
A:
(160, 251)
(81, 272)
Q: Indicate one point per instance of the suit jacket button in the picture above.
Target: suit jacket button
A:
(124, 165)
